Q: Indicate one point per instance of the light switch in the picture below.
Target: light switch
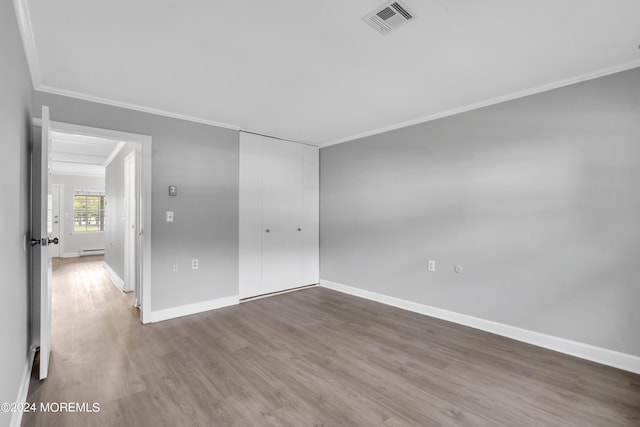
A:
(169, 216)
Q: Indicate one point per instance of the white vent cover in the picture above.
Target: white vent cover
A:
(389, 16)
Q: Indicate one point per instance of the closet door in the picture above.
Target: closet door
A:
(282, 208)
(310, 215)
(250, 224)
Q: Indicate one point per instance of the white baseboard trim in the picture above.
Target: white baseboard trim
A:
(199, 307)
(23, 391)
(114, 276)
(91, 252)
(81, 253)
(70, 255)
(600, 355)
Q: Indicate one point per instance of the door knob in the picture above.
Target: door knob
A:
(299, 229)
(267, 230)
(54, 241)
(34, 242)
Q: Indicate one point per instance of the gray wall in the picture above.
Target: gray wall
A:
(74, 243)
(536, 198)
(15, 106)
(203, 162)
(114, 233)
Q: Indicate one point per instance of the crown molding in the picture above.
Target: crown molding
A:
(497, 100)
(128, 106)
(114, 153)
(28, 40)
(77, 169)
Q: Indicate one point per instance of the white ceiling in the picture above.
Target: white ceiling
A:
(313, 71)
(72, 154)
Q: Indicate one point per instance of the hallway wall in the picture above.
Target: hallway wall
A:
(114, 233)
(202, 160)
(15, 124)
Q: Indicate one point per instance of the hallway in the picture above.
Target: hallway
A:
(94, 327)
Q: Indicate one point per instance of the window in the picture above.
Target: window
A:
(88, 212)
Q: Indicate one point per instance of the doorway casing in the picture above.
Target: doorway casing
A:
(131, 224)
(143, 241)
(56, 194)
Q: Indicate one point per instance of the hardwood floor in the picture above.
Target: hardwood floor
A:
(307, 358)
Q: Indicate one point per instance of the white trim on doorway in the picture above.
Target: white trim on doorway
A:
(130, 222)
(60, 213)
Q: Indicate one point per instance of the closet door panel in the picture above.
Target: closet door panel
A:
(281, 213)
(250, 221)
(311, 215)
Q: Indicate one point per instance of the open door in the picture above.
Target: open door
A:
(131, 226)
(40, 240)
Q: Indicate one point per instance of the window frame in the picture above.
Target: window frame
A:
(102, 212)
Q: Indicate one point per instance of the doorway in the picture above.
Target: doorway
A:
(133, 219)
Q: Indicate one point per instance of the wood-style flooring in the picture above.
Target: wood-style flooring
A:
(309, 358)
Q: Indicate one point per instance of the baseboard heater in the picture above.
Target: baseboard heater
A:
(86, 252)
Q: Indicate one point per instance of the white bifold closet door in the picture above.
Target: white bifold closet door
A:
(279, 208)
(281, 215)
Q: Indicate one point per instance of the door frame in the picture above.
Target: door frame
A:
(255, 228)
(143, 245)
(130, 197)
(60, 245)
(40, 255)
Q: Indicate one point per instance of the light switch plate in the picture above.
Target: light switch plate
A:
(169, 216)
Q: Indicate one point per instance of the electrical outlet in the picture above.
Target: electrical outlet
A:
(175, 268)
(194, 264)
(432, 265)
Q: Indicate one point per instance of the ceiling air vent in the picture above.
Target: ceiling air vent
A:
(389, 16)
